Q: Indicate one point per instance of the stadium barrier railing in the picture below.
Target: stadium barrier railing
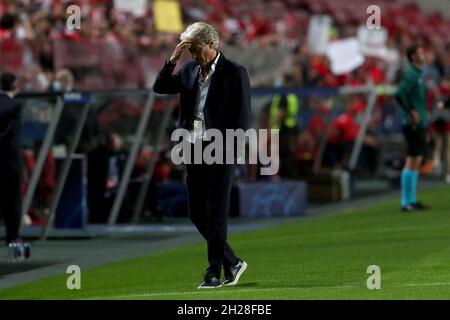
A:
(62, 118)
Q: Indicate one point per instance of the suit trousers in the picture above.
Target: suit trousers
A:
(10, 203)
(209, 189)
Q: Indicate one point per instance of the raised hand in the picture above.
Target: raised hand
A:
(178, 52)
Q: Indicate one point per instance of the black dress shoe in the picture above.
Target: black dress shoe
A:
(210, 282)
(408, 208)
(233, 274)
(419, 206)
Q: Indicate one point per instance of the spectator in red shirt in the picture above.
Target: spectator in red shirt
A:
(343, 133)
(11, 51)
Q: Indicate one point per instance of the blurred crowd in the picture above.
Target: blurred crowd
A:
(31, 33)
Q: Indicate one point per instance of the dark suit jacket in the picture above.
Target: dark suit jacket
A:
(227, 105)
(10, 125)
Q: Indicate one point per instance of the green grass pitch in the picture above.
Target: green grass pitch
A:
(315, 258)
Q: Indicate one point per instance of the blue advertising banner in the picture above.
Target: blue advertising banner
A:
(72, 210)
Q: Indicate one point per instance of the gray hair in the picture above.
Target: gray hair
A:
(202, 31)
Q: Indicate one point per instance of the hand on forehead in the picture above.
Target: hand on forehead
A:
(194, 42)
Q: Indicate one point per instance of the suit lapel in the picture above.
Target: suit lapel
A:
(193, 83)
(193, 87)
(214, 81)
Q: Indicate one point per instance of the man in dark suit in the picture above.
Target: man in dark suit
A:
(214, 94)
(10, 159)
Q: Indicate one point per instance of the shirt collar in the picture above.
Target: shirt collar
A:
(9, 94)
(213, 66)
(211, 71)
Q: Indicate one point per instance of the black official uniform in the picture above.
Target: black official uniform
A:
(10, 165)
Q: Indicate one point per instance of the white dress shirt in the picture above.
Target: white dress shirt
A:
(199, 131)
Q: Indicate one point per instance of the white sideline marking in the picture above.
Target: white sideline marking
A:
(162, 294)
(420, 284)
(341, 233)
